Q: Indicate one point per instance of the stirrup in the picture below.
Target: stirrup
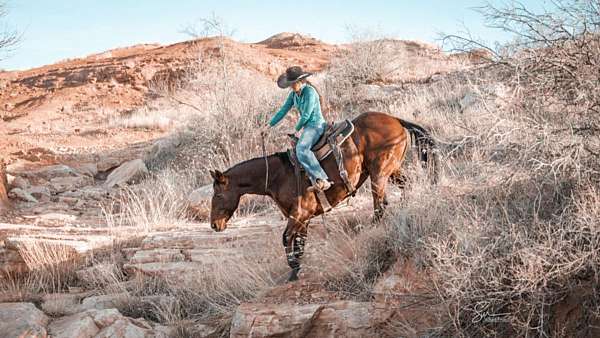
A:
(315, 186)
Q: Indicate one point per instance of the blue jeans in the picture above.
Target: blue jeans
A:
(307, 158)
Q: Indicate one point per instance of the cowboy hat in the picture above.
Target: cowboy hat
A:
(291, 75)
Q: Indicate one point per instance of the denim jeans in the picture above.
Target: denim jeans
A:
(307, 158)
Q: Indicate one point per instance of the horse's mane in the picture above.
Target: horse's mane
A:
(283, 156)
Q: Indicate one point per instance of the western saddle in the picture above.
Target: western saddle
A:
(329, 143)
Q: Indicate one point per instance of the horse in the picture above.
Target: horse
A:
(375, 150)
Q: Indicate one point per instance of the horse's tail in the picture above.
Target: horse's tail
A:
(426, 147)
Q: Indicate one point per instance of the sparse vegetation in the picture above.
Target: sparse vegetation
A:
(507, 236)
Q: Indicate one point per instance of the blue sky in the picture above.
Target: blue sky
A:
(59, 29)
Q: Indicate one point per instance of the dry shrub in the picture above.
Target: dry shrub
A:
(236, 104)
(19, 288)
(52, 266)
(352, 257)
(145, 118)
(518, 232)
(511, 229)
(158, 202)
(359, 79)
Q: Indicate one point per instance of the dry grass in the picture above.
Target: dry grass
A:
(159, 202)
(52, 265)
(146, 118)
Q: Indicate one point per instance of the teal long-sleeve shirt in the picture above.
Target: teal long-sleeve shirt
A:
(307, 104)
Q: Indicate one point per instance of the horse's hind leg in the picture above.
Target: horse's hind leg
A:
(294, 239)
(382, 167)
(380, 202)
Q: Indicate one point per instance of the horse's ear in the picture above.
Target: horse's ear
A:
(218, 176)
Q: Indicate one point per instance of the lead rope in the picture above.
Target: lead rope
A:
(264, 150)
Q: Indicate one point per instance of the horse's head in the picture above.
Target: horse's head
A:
(225, 200)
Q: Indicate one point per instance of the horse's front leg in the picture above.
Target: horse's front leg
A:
(294, 239)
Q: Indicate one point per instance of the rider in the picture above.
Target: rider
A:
(305, 98)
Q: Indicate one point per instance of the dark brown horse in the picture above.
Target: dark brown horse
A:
(376, 149)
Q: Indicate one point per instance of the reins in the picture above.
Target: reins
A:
(264, 150)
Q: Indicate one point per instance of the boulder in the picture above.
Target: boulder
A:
(102, 302)
(53, 171)
(122, 328)
(62, 184)
(22, 320)
(39, 192)
(17, 182)
(161, 152)
(127, 172)
(338, 319)
(263, 320)
(18, 193)
(87, 169)
(70, 327)
(107, 163)
(101, 323)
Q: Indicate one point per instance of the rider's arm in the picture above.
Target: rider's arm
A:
(287, 105)
(307, 106)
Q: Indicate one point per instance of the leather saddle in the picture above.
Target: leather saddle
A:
(337, 132)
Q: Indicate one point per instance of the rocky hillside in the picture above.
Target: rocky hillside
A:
(64, 107)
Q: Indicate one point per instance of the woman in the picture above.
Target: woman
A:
(305, 98)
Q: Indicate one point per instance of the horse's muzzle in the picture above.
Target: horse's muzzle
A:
(218, 226)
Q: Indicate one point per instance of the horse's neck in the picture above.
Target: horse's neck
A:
(252, 174)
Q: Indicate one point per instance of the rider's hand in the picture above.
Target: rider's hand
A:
(297, 134)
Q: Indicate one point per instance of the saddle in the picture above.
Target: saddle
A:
(329, 143)
(338, 132)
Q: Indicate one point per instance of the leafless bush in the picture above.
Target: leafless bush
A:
(9, 37)
(235, 105)
(553, 65)
(352, 257)
(518, 243)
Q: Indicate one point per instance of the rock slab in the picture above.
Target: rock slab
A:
(22, 320)
(127, 172)
(337, 319)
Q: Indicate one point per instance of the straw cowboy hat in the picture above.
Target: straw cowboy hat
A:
(291, 75)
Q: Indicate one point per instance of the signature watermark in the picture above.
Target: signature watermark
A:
(484, 314)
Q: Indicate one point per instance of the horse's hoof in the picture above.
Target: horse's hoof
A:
(293, 276)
